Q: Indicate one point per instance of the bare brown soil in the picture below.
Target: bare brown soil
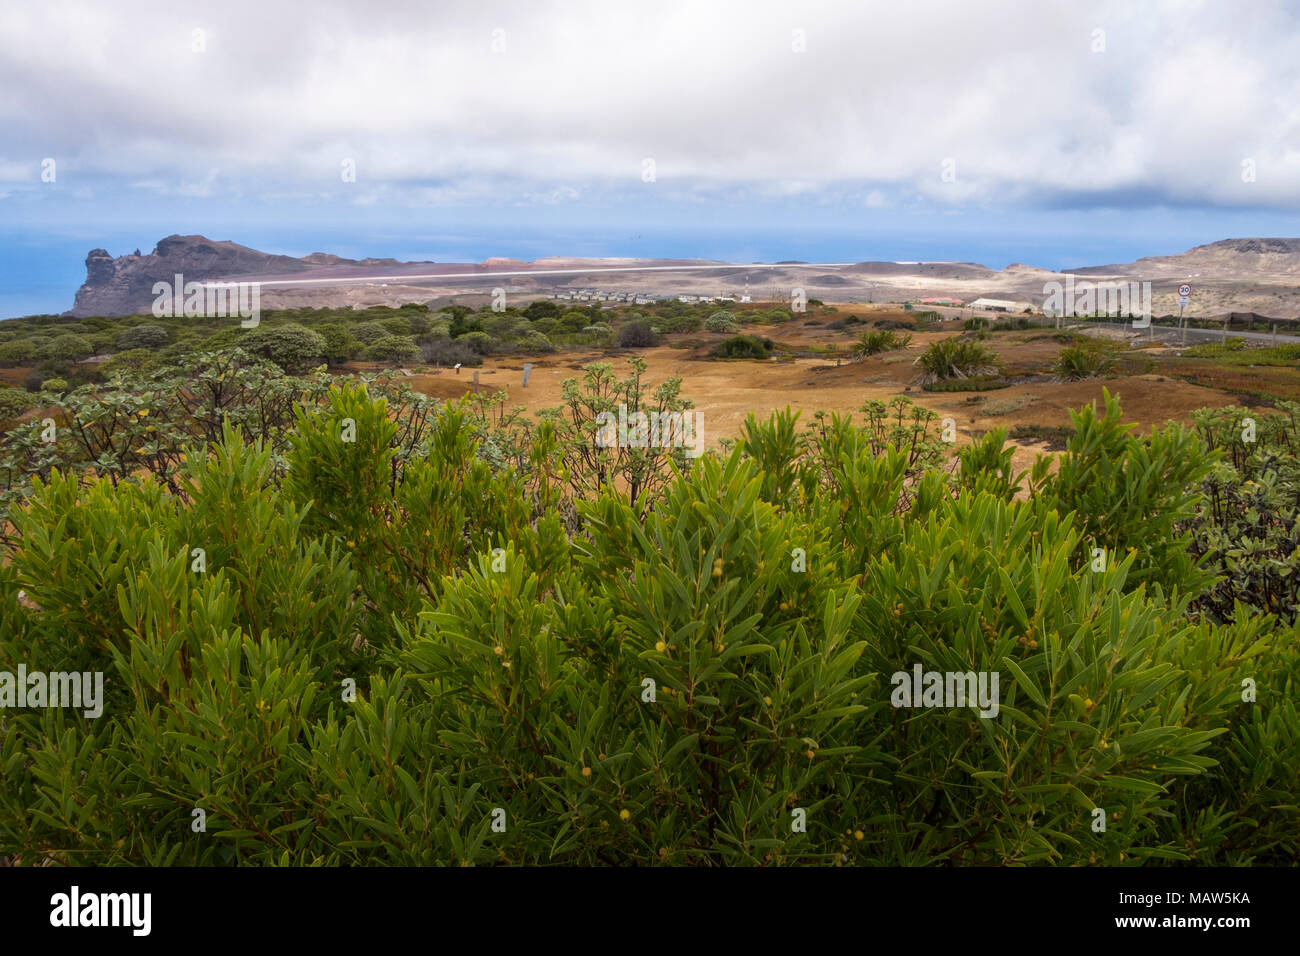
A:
(725, 392)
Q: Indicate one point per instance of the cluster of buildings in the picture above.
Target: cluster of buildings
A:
(599, 295)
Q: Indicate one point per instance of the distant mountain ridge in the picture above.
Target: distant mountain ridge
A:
(1261, 274)
(1260, 256)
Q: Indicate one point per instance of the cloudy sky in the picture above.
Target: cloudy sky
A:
(993, 131)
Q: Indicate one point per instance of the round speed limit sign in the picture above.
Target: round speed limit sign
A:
(1184, 290)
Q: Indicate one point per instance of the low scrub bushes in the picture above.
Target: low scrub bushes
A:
(291, 346)
(415, 633)
(1077, 362)
(534, 341)
(743, 347)
(443, 351)
(955, 358)
(721, 322)
(392, 348)
(14, 401)
(668, 324)
(636, 335)
(877, 341)
(1248, 531)
(1234, 352)
(477, 341)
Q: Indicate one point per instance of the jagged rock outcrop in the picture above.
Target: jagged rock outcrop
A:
(123, 285)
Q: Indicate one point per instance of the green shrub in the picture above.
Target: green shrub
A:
(143, 337)
(68, 347)
(721, 322)
(1076, 362)
(669, 324)
(340, 345)
(986, 466)
(877, 341)
(543, 309)
(368, 332)
(367, 635)
(1133, 494)
(132, 360)
(955, 358)
(291, 346)
(534, 341)
(17, 352)
(392, 348)
(478, 342)
(743, 347)
(1248, 529)
(13, 402)
(636, 335)
(600, 333)
(573, 321)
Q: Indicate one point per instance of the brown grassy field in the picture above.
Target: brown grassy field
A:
(725, 392)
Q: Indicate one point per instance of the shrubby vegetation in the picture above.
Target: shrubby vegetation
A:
(1077, 362)
(743, 347)
(636, 335)
(628, 655)
(955, 358)
(877, 341)
(1248, 526)
(13, 402)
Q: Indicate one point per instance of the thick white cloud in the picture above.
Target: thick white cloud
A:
(1013, 93)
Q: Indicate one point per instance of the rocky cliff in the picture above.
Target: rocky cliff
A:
(123, 285)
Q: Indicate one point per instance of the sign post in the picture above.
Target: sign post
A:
(1184, 296)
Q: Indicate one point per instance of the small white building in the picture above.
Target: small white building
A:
(1000, 305)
